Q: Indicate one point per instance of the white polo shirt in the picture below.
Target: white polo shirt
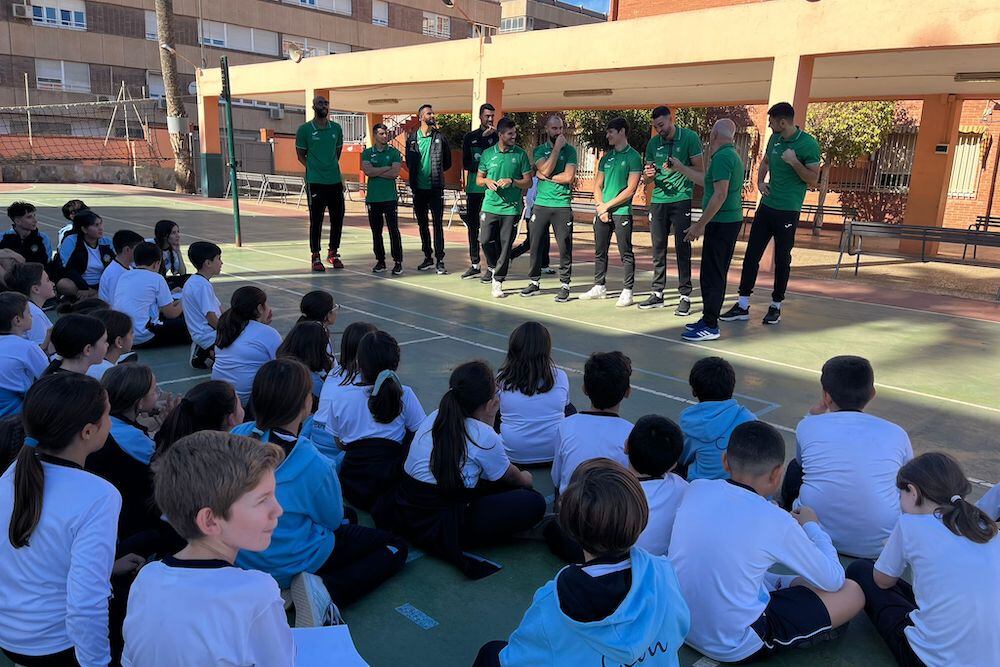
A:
(956, 583)
(663, 496)
(350, 419)
(199, 299)
(585, 436)
(109, 281)
(239, 363)
(40, 324)
(990, 503)
(21, 363)
(485, 457)
(140, 294)
(530, 424)
(849, 465)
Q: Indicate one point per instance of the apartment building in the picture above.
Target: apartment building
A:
(525, 15)
(82, 51)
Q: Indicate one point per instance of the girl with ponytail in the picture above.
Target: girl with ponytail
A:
(948, 615)
(244, 340)
(373, 417)
(209, 406)
(57, 556)
(312, 537)
(459, 489)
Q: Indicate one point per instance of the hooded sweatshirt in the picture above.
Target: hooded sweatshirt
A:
(647, 626)
(707, 427)
(309, 492)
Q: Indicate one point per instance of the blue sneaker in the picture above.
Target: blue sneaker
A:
(691, 326)
(702, 333)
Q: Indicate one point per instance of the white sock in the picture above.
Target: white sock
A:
(744, 302)
(776, 304)
(565, 285)
(536, 283)
(475, 266)
(685, 298)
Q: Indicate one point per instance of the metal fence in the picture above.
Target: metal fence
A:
(886, 170)
(355, 129)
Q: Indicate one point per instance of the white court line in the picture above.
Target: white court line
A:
(697, 346)
(185, 379)
(421, 340)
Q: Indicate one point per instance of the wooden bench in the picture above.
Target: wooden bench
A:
(852, 238)
(983, 223)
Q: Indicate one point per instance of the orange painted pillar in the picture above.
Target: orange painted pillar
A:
(928, 192)
(791, 79)
(210, 147)
(487, 90)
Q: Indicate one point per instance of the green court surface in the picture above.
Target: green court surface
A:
(937, 377)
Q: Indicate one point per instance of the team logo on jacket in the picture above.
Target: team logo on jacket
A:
(34, 248)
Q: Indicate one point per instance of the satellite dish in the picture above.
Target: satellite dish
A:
(295, 54)
(193, 88)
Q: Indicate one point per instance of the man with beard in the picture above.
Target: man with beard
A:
(318, 144)
(555, 165)
(473, 145)
(505, 172)
(428, 157)
(671, 204)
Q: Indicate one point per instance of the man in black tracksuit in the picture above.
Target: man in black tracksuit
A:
(473, 146)
(428, 157)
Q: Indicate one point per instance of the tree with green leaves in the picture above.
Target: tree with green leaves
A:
(845, 132)
(454, 127)
(590, 126)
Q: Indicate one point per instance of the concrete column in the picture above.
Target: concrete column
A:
(486, 90)
(210, 146)
(371, 119)
(928, 193)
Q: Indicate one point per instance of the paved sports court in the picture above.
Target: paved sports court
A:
(937, 376)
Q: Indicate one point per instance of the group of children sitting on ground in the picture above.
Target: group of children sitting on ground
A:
(144, 529)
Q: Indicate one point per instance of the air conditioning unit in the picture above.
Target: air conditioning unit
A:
(20, 11)
(105, 98)
(277, 114)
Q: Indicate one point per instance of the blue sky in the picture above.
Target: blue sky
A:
(596, 5)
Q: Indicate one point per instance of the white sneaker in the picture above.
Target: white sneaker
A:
(312, 603)
(625, 299)
(497, 291)
(595, 292)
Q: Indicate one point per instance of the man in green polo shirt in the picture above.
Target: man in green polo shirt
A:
(555, 166)
(318, 144)
(381, 164)
(505, 172)
(618, 175)
(792, 158)
(720, 223)
(671, 204)
(474, 144)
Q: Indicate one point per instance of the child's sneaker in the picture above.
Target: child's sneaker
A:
(200, 357)
(595, 292)
(312, 603)
(735, 313)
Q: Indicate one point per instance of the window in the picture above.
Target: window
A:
(62, 75)
(380, 12)
(480, 30)
(154, 84)
(311, 47)
(150, 25)
(335, 6)
(239, 38)
(516, 24)
(68, 14)
(436, 25)
(966, 168)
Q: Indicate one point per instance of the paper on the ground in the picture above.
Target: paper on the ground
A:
(326, 646)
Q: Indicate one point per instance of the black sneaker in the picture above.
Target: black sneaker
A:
(200, 357)
(735, 313)
(397, 269)
(441, 271)
(653, 301)
(379, 268)
(426, 264)
(487, 276)
(471, 272)
(531, 290)
(773, 315)
(563, 295)
(683, 308)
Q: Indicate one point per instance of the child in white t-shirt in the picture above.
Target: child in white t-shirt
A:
(534, 396)
(654, 446)
(124, 242)
(143, 295)
(31, 280)
(598, 432)
(726, 538)
(21, 360)
(309, 342)
(244, 341)
(201, 307)
(372, 417)
(948, 615)
(846, 461)
(218, 491)
(338, 381)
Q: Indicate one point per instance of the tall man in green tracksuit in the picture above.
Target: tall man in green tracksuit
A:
(555, 166)
(318, 144)
(505, 172)
(617, 180)
(720, 223)
(792, 158)
(670, 207)
(381, 164)
(473, 145)
(428, 157)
